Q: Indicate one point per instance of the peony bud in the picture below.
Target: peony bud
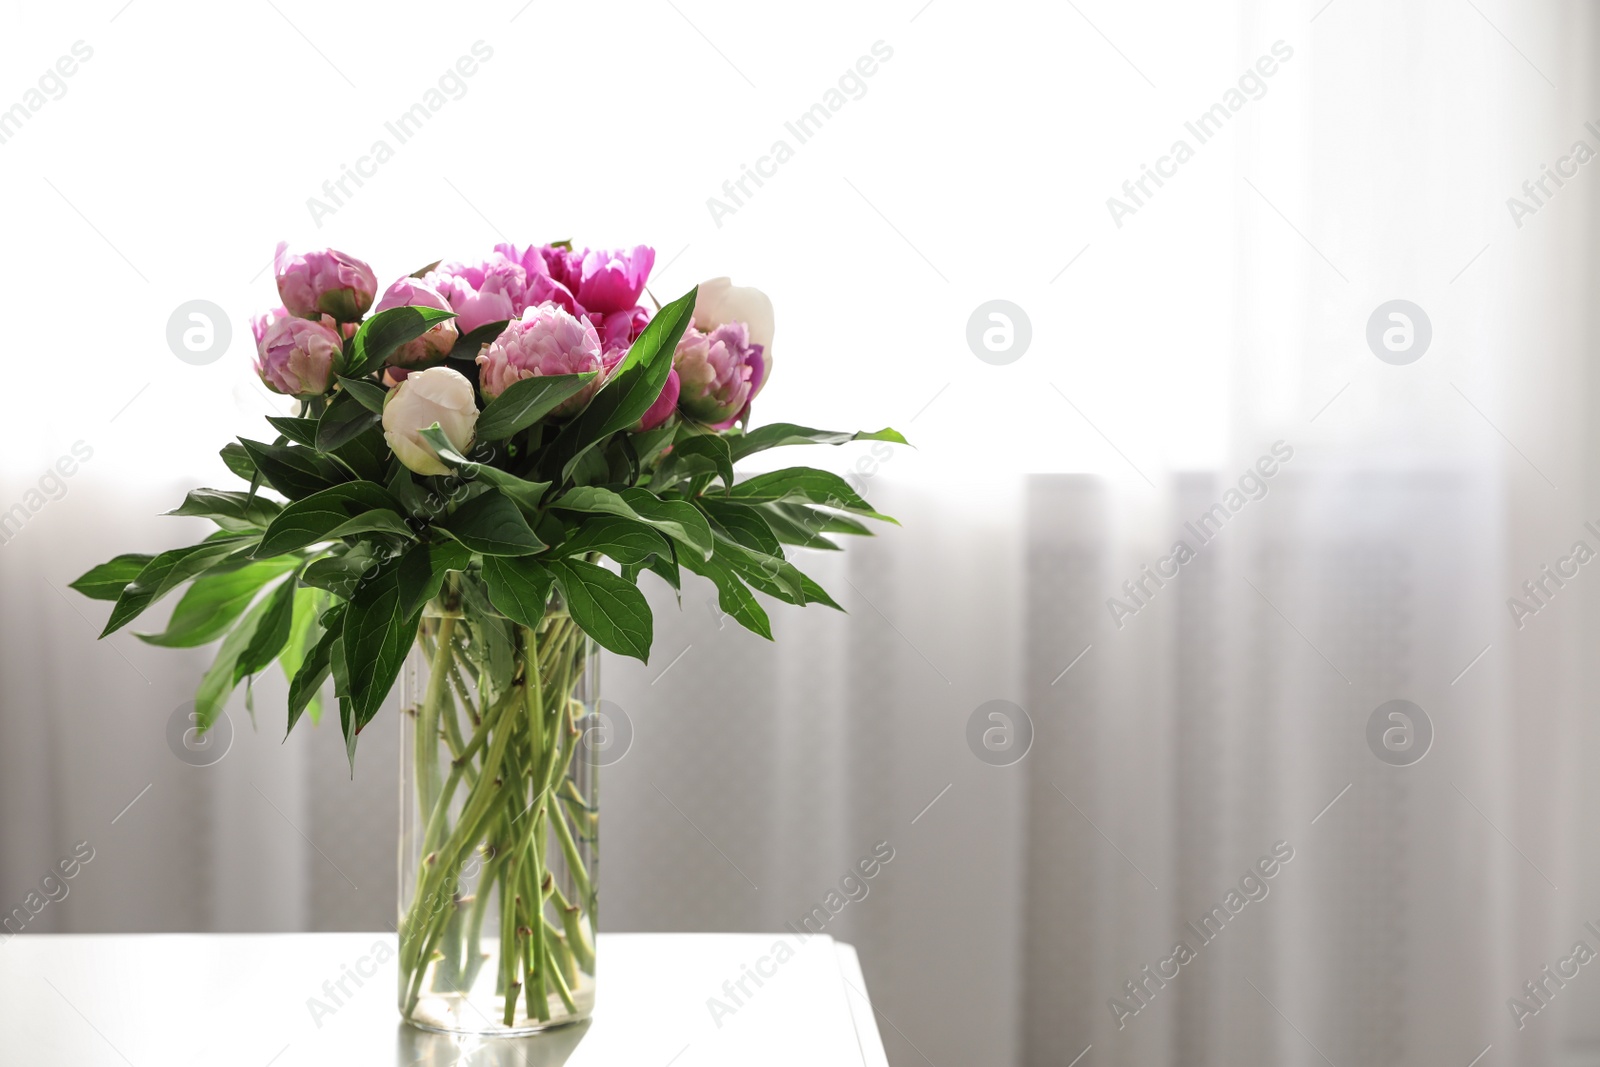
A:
(324, 282)
(716, 372)
(432, 346)
(436, 395)
(295, 356)
(546, 340)
(664, 406)
(612, 281)
(719, 302)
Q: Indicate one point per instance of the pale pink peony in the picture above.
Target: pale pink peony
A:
(324, 282)
(546, 340)
(432, 346)
(295, 356)
(717, 373)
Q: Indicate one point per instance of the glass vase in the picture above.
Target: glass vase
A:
(499, 820)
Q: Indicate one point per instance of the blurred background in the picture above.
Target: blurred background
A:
(1340, 346)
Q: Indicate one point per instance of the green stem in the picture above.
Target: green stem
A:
(517, 761)
(428, 715)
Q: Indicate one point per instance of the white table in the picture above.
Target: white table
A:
(254, 1000)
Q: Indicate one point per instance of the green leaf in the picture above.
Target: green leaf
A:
(378, 520)
(804, 483)
(732, 596)
(525, 494)
(608, 608)
(304, 633)
(822, 521)
(468, 346)
(294, 470)
(742, 523)
(801, 526)
(518, 588)
(711, 447)
(443, 557)
(314, 670)
(301, 431)
(379, 626)
(271, 632)
(368, 393)
(219, 680)
(213, 601)
(231, 510)
(238, 461)
(315, 517)
(490, 523)
(378, 337)
(366, 456)
(345, 418)
(666, 567)
(778, 434)
(629, 390)
(678, 519)
(169, 570)
(339, 573)
(526, 402)
(638, 380)
(109, 579)
(624, 540)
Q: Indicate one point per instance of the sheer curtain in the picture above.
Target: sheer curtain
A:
(1180, 731)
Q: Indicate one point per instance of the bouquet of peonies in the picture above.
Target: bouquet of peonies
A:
(462, 460)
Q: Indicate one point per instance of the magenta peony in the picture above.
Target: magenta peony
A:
(545, 340)
(612, 281)
(324, 282)
(295, 356)
(664, 406)
(432, 346)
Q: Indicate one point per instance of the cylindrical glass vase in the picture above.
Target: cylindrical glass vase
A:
(499, 819)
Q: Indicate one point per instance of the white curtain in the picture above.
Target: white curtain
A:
(1177, 739)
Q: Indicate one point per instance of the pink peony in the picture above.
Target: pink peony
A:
(619, 329)
(432, 346)
(612, 281)
(324, 282)
(719, 301)
(295, 356)
(492, 292)
(546, 340)
(718, 373)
